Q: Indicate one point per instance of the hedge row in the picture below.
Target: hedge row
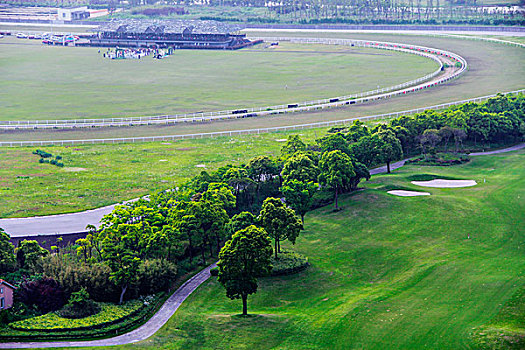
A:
(127, 324)
(288, 263)
(51, 322)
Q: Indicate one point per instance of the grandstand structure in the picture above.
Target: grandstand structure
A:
(176, 34)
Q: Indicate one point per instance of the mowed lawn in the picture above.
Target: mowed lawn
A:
(47, 82)
(387, 272)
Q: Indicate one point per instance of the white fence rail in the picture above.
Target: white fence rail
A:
(246, 131)
(383, 93)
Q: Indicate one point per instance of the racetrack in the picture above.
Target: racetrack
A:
(493, 68)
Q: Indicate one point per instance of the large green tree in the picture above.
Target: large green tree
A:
(292, 145)
(337, 172)
(390, 148)
(300, 167)
(7, 253)
(299, 195)
(121, 249)
(242, 259)
(279, 221)
(332, 142)
(29, 255)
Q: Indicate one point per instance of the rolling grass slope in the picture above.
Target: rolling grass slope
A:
(387, 272)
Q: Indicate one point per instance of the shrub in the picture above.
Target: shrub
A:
(72, 276)
(214, 271)
(288, 263)
(58, 157)
(42, 154)
(79, 306)
(155, 276)
(45, 294)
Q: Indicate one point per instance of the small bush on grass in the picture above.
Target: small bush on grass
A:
(288, 263)
(79, 306)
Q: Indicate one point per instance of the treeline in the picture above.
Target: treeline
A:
(142, 246)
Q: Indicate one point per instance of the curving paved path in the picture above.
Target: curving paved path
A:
(143, 332)
(175, 300)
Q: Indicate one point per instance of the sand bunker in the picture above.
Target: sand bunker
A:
(441, 183)
(281, 140)
(404, 193)
(200, 166)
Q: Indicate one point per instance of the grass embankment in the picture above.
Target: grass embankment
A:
(387, 272)
(53, 82)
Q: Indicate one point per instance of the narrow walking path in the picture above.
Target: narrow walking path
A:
(143, 332)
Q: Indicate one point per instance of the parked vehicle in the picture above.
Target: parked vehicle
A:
(21, 36)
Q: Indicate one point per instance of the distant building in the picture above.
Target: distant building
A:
(73, 13)
(176, 34)
(6, 295)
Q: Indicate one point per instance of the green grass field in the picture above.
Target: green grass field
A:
(493, 68)
(98, 175)
(42, 82)
(387, 272)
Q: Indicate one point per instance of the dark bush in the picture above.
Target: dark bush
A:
(45, 294)
(214, 271)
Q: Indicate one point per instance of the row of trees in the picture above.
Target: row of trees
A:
(141, 246)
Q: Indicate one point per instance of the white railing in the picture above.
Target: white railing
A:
(400, 89)
(246, 131)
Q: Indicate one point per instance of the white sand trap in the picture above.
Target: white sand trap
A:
(404, 193)
(200, 166)
(281, 140)
(163, 160)
(441, 183)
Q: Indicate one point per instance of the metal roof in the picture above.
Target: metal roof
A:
(137, 26)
